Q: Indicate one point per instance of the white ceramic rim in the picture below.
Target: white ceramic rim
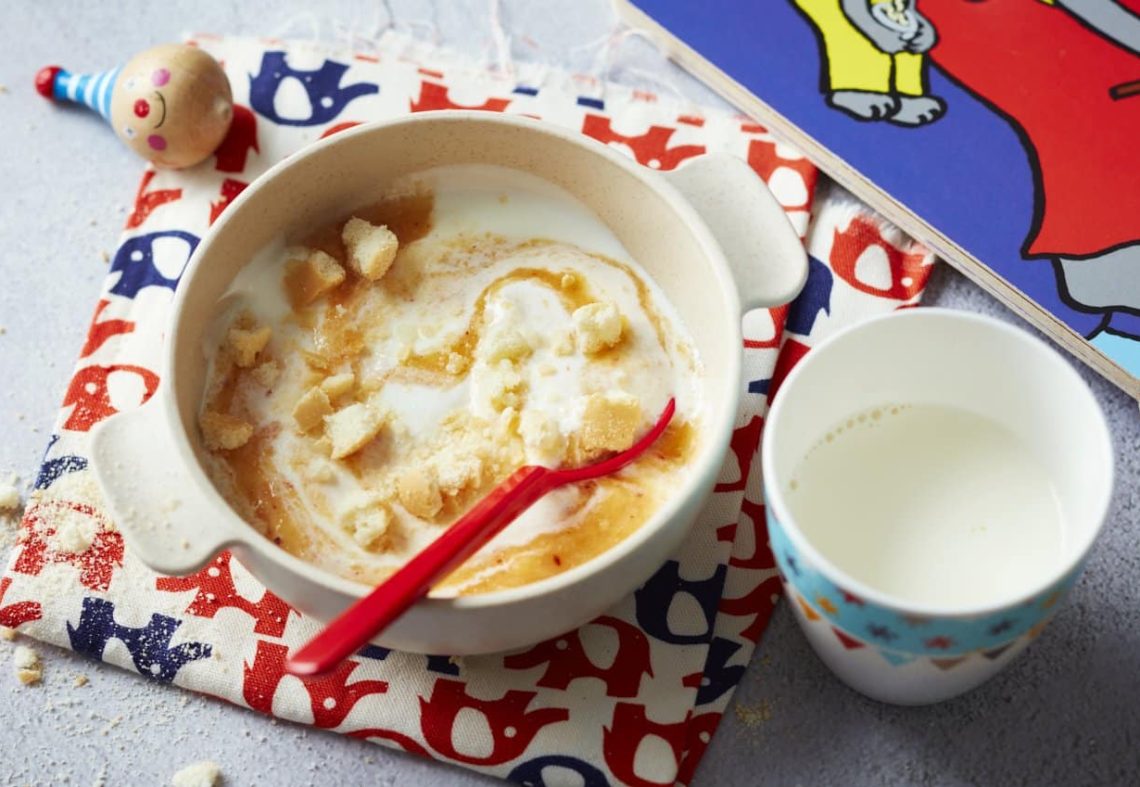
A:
(774, 494)
(701, 472)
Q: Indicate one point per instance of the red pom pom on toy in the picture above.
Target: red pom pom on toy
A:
(45, 81)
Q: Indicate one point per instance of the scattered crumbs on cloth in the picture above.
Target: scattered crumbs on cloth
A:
(10, 493)
(753, 715)
(200, 774)
(29, 668)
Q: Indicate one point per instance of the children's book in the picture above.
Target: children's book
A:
(1005, 134)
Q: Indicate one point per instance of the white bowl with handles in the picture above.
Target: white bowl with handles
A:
(709, 233)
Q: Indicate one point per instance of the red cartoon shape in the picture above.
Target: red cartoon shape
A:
(761, 556)
(331, 696)
(743, 444)
(621, 739)
(147, 201)
(91, 399)
(757, 603)
(765, 160)
(336, 128)
(102, 330)
(790, 354)
(231, 155)
(908, 272)
(216, 590)
(701, 729)
(96, 564)
(566, 660)
(437, 96)
(650, 149)
(849, 642)
(512, 727)
(19, 613)
(779, 316)
(230, 189)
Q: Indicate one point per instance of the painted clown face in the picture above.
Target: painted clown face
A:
(172, 105)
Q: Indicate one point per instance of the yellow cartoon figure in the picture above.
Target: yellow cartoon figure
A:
(874, 58)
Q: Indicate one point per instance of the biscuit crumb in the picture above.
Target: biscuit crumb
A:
(80, 681)
(29, 668)
(352, 428)
(418, 491)
(367, 524)
(74, 532)
(338, 385)
(105, 256)
(610, 423)
(7, 634)
(308, 279)
(222, 431)
(10, 493)
(499, 385)
(569, 281)
(504, 343)
(267, 374)
(371, 248)
(246, 343)
(598, 326)
(541, 434)
(311, 409)
(456, 363)
(200, 774)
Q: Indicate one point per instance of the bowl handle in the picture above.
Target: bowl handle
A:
(766, 256)
(151, 497)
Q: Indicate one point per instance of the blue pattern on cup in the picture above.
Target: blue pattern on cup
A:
(890, 630)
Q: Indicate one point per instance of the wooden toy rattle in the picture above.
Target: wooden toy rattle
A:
(171, 104)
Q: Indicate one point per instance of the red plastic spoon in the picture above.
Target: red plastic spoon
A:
(365, 619)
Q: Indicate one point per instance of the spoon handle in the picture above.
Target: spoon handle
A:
(367, 618)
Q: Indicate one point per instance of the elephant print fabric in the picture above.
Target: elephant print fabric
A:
(1007, 127)
(660, 667)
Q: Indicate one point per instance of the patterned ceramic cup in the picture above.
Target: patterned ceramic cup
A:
(891, 648)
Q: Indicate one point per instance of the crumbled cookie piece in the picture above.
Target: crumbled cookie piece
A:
(504, 342)
(499, 385)
(200, 774)
(338, 385)
(9, 493)
(308, 279)
(569, 280)
(417, 489)
(541, 435)
(456, 364)
(29, 668)
(371, 248)
(74, 532)
(80, 681)
(352, 428)
(7, 634)
(311, 409)
(610, 422)
(367, 524)
(598, 326)
(224, 432)
(267, 374)
(246, 343)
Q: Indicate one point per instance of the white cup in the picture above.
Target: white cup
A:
(895, 649)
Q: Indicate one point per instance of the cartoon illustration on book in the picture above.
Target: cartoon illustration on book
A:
(874, 60)
(1089, 227)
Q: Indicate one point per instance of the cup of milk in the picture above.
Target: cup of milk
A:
(934, 481)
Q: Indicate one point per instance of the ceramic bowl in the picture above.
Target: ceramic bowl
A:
(709, 233)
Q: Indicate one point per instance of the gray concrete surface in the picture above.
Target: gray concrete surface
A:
(1066, 713)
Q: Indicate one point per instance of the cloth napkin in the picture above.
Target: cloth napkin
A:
(631, 698)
